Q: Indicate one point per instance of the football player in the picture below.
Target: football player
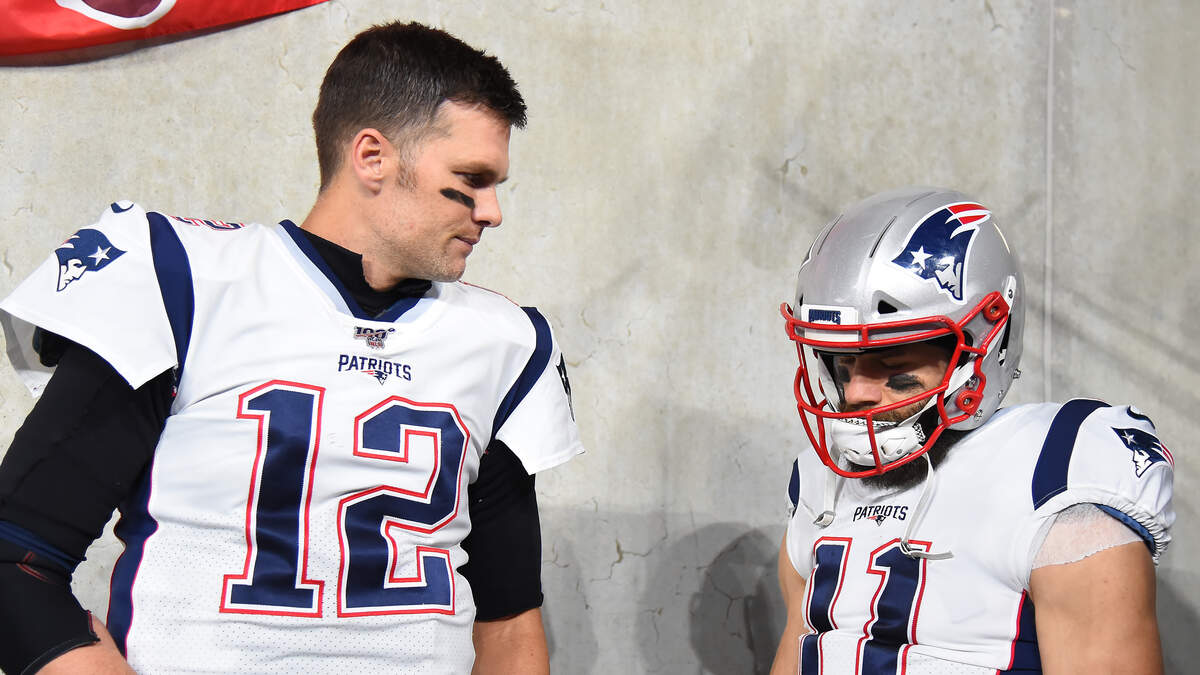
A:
(307, 429)
(928, 523)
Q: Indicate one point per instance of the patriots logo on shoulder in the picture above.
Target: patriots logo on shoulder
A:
(374, 337)
(938, 247)
(562, 374)
(85, 251)
(1145, 447)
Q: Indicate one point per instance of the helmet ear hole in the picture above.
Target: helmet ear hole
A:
(886, 307)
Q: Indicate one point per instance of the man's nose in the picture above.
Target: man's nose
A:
(487, 208)
(861, 391)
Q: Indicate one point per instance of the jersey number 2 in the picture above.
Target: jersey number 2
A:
(275, 578)
(892, 625)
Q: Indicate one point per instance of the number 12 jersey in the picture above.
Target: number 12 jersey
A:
(306, 503)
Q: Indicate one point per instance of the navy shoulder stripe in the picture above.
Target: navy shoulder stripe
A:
(174, 282)
(533, 369)
(1050, 474)
(794, 484)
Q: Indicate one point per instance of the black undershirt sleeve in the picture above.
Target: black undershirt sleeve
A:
(505, 543)
(79, 453)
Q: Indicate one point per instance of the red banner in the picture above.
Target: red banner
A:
(29, 26)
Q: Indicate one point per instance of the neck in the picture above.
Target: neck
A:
(913, 473)
(342, 221)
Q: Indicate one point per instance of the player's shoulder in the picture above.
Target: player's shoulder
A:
(1108, 455)
(500, 316)
(203, 233)
(1054, 438)
(484, 299)
(1113, 441)
(128, 223)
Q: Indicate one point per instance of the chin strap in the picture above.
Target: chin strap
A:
(827, 514)
(927, 490)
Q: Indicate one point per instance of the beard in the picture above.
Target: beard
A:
(912, 473)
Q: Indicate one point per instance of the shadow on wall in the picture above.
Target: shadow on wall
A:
(568, 612)
(1178, 623)
(736, 616)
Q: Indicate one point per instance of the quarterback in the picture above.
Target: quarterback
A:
(308, 429)
(932, 531)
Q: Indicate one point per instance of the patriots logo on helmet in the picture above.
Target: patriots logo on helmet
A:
(937, 248)
(85, 251)
(1145, 447)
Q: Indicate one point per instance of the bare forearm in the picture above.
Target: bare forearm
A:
(791, 585)
(512, 646)
(788, 653)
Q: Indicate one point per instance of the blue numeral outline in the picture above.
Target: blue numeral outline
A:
(825, 586)
(369, 584)
(892, 627)
(275, 579)
(895, 607)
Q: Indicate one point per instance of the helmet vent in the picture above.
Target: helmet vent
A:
(882, 234)
(886, 307)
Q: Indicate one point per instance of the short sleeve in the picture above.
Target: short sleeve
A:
(1116, 461)
(801, 531)
(99, 289)
(535, 418)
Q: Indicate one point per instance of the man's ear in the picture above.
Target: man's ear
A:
(371, 155)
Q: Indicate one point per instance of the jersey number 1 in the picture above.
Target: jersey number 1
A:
(892, 625)
(275, 578)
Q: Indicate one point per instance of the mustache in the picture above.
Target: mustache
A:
(897, 415)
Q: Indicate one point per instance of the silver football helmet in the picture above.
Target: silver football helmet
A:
(905, 266)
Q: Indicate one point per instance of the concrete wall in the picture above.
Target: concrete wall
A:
(680, 157)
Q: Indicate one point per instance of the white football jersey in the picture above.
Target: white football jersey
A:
(871, 609)
(305, 505)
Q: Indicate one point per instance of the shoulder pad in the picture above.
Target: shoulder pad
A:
(1109, 456)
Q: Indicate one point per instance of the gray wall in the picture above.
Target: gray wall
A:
(679, 159)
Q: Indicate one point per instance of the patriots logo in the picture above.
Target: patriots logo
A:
(1145, 447)
(562, 374)
(880, 514)
(938, 247)
(85, 251)
(378, 375)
